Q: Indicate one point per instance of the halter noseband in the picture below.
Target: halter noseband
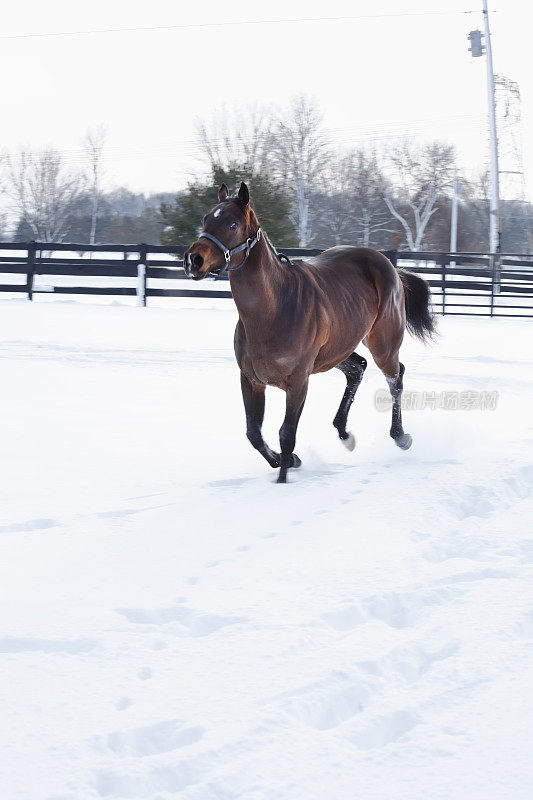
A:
(247, 246)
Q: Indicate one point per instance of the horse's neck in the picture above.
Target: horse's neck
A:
(254, 289)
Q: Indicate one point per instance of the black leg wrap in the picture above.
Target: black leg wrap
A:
(353, 367)
(402, 439)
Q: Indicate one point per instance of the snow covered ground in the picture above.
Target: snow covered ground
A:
(176, 625)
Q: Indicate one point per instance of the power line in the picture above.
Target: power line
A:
(200, 25)
(338, 135)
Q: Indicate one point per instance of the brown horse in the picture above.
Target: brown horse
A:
(299, 318)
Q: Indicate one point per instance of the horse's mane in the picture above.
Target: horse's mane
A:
(251, 220)
(280, 256)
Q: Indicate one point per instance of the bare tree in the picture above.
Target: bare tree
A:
(299, 157)
(371, 213)
(351, 208)
(43, 194)
(290, 145)
(94, 147)
(333, 207)
(420, 175)
(242, 137)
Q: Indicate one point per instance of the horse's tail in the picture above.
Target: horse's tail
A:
(420, 320)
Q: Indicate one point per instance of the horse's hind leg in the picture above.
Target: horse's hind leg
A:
(403, 440)
(353, 367)
(384, 344)
(254, 405)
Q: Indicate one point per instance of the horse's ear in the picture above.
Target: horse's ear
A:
(244, 194)
(223, 193)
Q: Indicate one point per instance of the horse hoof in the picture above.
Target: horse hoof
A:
(349, 442)
(404, 441)
(296, 462)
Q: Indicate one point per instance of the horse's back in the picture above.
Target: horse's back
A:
(349, 261)
(348, 275)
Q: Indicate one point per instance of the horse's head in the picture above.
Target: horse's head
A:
(230, 224)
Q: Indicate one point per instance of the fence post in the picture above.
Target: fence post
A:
(32, 247)
(497, 273)
(443, 285)
(141, 275)
(492, 287)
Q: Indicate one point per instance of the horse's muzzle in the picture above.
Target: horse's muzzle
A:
(193, 263)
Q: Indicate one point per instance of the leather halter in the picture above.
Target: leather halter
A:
(246, 246)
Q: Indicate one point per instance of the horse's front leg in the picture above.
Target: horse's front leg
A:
(253, 395)
(296, 392)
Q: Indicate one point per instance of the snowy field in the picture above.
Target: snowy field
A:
(176, 625)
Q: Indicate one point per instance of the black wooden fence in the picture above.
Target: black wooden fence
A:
(461, 283)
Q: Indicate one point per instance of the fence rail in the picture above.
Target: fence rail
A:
(461, 283)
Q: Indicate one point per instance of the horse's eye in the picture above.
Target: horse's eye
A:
(234, 226)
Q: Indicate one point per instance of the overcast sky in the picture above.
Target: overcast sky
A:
(378, 70)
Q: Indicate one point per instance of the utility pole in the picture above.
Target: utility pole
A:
(495, 235)
(495, 226)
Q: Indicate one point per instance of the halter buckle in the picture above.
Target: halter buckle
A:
(227, 256)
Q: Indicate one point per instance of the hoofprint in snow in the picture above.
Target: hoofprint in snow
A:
(176, 625)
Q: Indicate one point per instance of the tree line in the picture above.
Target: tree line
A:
(307, 191)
